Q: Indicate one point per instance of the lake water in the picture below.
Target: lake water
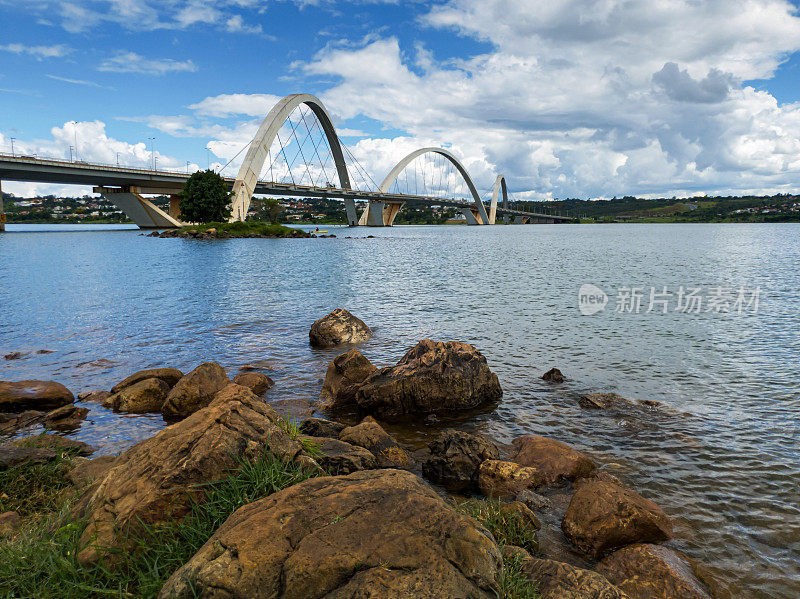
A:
(721, 456)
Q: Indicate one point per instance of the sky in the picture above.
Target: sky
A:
(565, 98)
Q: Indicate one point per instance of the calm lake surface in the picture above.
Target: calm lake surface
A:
(721, 456)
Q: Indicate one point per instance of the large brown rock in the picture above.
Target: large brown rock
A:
(84, 471)
(344, 376)
(11, 422)
(12, 456)
(194, 391)
(555, 461)
(57, 443)
(505, 480)
(557, 580)
(432, 377)
(375, 534)
(319, 427)
(144, 396)
(16, 396)
(65, 418)
(337, 328)
(170, 376)
(603, 516)
(338, 457)
(455, 459)
(652, 572)
(257, 382)
(370, 435)
(157, 479)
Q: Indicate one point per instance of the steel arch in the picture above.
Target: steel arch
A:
(246, 180)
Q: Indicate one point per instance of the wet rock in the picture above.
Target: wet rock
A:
(10, 523)
(432, 377)
(533, 500)
(601, 401)
(65, 418)
(557, 580)
(555, 461)
(258, 383)
(56, 443)
(431, 420)
(338, 457)
(94, 396)
(603, 516)
(144, 396)
(44, 351)
(505, 480)
(522, 514)
(553, 376)
(15, 355)
(169, 375)
(194, 391)
(455, 459)
(12, 456)
(652, 572)
(337, 328)
(10, 422)
(16, 396)
(295, 408)
(318, 427)
(370, 435)
(378, 534)
(157, 479)
(343, 378)
(86, 471)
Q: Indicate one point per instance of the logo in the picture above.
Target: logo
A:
(591, 299)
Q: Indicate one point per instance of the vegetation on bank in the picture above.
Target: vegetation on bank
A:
(236, 229)
(205, 198)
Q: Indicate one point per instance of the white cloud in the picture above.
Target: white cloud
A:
(130, 62)
(74, 81)
(225, 105)
(39, 52)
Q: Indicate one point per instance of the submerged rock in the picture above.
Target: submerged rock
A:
(343, 378)
(553, 460)
(16, 396)
(140, 397)
(170, 376)
(603, 516)
(432, 377)
(455, 459)
(553, 376)
(506, 480)
(194, 391)
(337, 328)
(157, 479)
(379, 534)
(65, 418)
(319, 427)
(370, 435)
(257, 382)
(94, 396)
(652, 572)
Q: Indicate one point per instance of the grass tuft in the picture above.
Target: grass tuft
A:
(32, 489)
(514, 584)
(507, 527)
(291, 428)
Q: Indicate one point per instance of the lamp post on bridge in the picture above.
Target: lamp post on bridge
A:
(2, 214)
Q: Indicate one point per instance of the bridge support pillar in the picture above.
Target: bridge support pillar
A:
(390, 213)
(2, 214)
(350, 209)
(520, 220)
(141, 211)
(472, 217)
(175, 206)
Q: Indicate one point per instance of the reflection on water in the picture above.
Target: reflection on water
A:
(722, 456)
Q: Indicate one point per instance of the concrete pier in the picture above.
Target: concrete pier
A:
(2, 214)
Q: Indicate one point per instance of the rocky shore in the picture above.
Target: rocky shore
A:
(236, 230)
(235, 499)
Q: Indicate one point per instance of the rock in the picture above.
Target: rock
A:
(10, 523)
(601, 401)
(555, 461)
(56, 443)
(94, 396)
(516, 510)
(44, 351)
(38, 395)
(14, 355)
(337, 328)
(194, 391)
(652, 572)
(258, 383)
(12, 422)
(603, 516)
(338, 457)
(431, 420)
(211, 232)
(377, 534)
(317, 427)
(557, 580)
(533, 500)
(505, 480)
(344, 376)
(295, 408)
(370, 435)
(157, 479)
(169, 375)
(455, 459)
(553, 376)
(432, 377)
(11, 456)
(85, 471)
(65, 418)
(144, 396)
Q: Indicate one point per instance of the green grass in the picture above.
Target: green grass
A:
(41, 561)
(514, 584)
(507, 527)
(247, 228)
(32, 489)
(291, 428)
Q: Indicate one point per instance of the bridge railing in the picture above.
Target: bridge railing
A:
(35, 158)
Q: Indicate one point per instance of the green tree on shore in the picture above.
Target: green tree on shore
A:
(205, 198)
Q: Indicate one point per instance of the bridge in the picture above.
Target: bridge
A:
(320, 171)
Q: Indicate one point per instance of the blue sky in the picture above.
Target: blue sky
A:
(574, 98)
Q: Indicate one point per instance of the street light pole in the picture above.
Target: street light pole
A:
(153, 151)
(12, 147)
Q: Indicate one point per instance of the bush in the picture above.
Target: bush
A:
(205, 198)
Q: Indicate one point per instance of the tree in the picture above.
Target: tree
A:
(205, 198)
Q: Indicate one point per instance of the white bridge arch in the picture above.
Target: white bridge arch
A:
(499, 184)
